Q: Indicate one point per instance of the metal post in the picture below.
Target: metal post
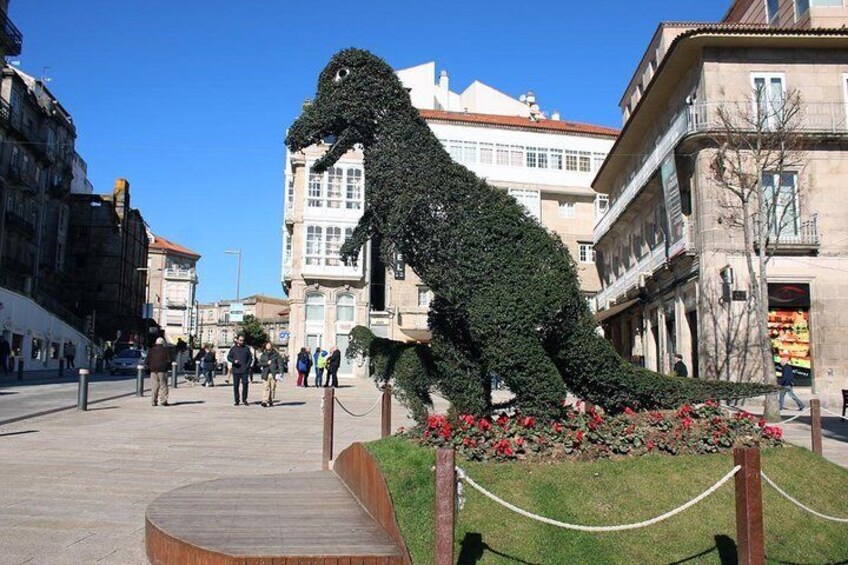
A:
(386, 424)
(139, 380)
(20, 369)
(174, 374)
(329, 404)
(82, 390)
(815, 414)
(750, 542)
(196, 371)
(445, 505)
(61, 368)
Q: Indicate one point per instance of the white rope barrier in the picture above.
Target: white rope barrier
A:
(799, 505)
(734, 410)
(342, 406)
(795, 417)
(463, 476)
(834, 414)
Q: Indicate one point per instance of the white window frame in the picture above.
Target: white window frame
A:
(606, 204)
(772, 18)
(567, 209)
(318, 194)
(767, 79)
(424, 296)
(586, 253)
(315, 304)
(793, 229)
(352, 306)
(530, 199)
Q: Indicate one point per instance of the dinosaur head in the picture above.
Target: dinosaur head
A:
(355, 90)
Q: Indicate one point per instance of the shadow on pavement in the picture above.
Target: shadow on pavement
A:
(2, 393)
(102, 408)
(19, 433)
(293, 403)
(186, 402)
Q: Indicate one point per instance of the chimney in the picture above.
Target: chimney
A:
(121, 197)
(555, 115)
(443, 94)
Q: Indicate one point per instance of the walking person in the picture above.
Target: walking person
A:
(270, 363)
(70, 354)
(209, 362)
(108, 355)
(333, 364)
(158, 363)
(242, 359)
(302, 365)
(787, 382)
(5, 352)
(320, 361)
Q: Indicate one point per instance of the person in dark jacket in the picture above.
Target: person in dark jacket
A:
(304, 364)
(333, 364)
(158, 362)
(270, 363)
(679, 366)
(209, 361)
(787, 381)
(242, 359)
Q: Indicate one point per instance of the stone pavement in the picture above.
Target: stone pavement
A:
(75, 485)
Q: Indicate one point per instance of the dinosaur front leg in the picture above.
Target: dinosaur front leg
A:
(363, 231)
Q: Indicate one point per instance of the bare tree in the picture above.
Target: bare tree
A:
(726, 339)
(759, 152)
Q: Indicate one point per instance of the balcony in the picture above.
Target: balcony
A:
(633, 278)
(11, 37)
(179, 303)
(181, 274)
(802, 237)
(5, 111)
(24, 225)
(816, 118)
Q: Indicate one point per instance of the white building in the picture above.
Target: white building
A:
(547, 163)
(171, 287)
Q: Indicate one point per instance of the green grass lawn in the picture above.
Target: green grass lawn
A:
(614, 492)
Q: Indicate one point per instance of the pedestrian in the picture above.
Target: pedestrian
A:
(209, 361)
(333, 364)
(320, 364)
(787, 382)
(242, 359)
(108, 355)
(5, 352)
(270, 364)
(679, 366)
(70, 354)
(303, 364)
(158, 363)
(319, 367)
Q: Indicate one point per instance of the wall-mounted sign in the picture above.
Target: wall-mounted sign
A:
(789, 328)
(674, 234)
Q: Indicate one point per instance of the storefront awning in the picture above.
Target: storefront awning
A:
(615, 310)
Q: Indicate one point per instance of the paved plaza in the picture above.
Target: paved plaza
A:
(76, 484)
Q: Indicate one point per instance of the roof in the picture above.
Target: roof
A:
(166, 246)
(556, 126)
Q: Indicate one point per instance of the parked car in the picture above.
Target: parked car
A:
(126, 361)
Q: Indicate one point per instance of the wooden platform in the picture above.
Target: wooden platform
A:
(292, 519)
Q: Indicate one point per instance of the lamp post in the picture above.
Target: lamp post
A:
(238, 276)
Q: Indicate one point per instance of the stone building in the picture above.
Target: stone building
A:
(546, 163)
(672, 267)
(171, 287)
(107, 263)
(215, 326)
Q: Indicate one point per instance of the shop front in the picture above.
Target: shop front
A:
(789, 328)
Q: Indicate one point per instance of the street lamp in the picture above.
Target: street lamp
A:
(238, 276)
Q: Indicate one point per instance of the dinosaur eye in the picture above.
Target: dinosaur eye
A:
(341, 74)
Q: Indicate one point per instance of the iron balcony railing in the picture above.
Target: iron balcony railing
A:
(801, 233)
(10, 36)
(182, 274)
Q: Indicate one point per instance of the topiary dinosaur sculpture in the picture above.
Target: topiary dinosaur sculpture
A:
(508, 299)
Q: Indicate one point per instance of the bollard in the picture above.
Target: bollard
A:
(815, 414)
(82, 391)
(445, 505)
(139, 380)
(196, 372)
(750, 542)
(174, 374)
(386, 420)
(329, 404)
(20, 369)
(61, 368)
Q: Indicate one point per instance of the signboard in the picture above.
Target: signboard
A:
(237, 312)
(675, 235)
(789, 328)
(284, 334)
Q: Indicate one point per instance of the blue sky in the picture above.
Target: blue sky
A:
(189, 99)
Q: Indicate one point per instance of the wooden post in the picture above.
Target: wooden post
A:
(445, 505)
(815, 414)
(386, 424)
(329, 405)
(750, 542)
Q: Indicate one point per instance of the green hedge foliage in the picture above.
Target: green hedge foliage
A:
(508, 296)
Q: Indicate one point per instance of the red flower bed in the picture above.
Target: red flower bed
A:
(691, 429)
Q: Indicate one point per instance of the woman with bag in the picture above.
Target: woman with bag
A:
(304, 363)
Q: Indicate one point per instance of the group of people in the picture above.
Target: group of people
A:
(240, 361)
(323, 361)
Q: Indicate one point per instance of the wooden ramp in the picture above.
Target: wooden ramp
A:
(291, 519)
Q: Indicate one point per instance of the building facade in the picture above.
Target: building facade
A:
(107, 264)
(215, 324)
(172, 287)
(545, 162)
(671, 259)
